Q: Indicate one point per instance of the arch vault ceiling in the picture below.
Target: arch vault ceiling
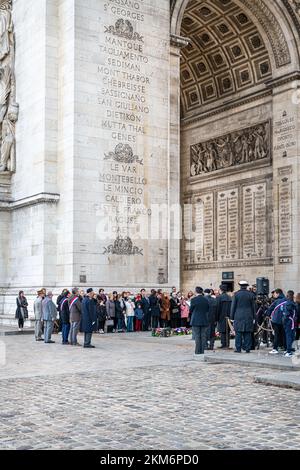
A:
(226, 55)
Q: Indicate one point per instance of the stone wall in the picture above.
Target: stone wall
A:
(232, 207)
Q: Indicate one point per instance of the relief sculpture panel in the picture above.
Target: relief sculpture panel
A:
(234, 149)
(9, 109)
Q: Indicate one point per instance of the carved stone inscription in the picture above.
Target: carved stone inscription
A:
(285, 238)
(123, 98)
(228, 225)
(237, 148)
(232, 225)
(9, 109)
(204, 223)
(285, 137)
(255, 221)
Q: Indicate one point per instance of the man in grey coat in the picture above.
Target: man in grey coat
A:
(38, 315)
(75, 316)
(49, 316)
(243, 314)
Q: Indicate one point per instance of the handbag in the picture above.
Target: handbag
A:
(109, 323)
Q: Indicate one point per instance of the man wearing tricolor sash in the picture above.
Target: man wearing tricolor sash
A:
(75, 316)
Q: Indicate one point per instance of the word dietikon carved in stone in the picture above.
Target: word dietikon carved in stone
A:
(9, 109)
(237, 148)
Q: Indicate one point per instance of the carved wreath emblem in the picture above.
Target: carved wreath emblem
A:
(124, 29)
(123, 246)
(123, 154)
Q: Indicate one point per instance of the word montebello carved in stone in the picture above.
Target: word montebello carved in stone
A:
(9, 109)
(237, 148)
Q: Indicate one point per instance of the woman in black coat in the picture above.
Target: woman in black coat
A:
(22, 310)
(175, 311)
(154, 308)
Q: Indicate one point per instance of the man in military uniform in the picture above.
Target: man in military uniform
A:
(243, 315)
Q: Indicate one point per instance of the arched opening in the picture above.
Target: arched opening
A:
(238, 137)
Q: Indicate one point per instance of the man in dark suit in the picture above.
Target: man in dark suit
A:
(199, 311)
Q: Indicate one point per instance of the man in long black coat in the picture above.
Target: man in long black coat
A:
(223, 312)
(89, 317)
(243, 313)
(199, 312)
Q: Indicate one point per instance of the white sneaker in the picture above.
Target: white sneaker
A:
(288, 355)
(274, 351)
(199, 357)
(101, 332)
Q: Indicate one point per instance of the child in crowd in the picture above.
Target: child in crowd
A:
(139, 315)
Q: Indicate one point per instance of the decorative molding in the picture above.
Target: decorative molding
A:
(226, 107)
(122, 247)
(42, 198)
(276, 82)
(237, 148)
(123, 154)
(9, 109)
(179, 41)
(229, 264)
(124, 29)
(273, 30)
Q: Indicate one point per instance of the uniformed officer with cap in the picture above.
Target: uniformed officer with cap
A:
(243, 314)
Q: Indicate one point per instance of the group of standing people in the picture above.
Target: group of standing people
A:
(205, 311)
(241, 310)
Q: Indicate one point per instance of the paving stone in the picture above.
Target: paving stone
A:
(134, 394)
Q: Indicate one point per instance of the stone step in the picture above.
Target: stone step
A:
(11, 322)
(9, 331)
(283, 380)
(254, 359)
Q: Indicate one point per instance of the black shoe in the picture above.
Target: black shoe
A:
(239, 352)
(39, 339)
(90, 346)
(49, 342)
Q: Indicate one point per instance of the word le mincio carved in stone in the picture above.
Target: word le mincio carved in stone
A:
(9, 109)
(236, 148)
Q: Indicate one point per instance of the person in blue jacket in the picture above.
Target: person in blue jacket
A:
(275, 311)
(290, 322)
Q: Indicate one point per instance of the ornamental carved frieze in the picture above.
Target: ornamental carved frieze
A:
(124, 29)
(123, 153)
(231, 150)
(9, 109)
(123, 247)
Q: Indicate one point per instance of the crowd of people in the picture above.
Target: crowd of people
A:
(208, 312)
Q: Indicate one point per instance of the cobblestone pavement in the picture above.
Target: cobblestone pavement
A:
(136, 392)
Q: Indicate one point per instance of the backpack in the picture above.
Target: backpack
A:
(288, 313)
